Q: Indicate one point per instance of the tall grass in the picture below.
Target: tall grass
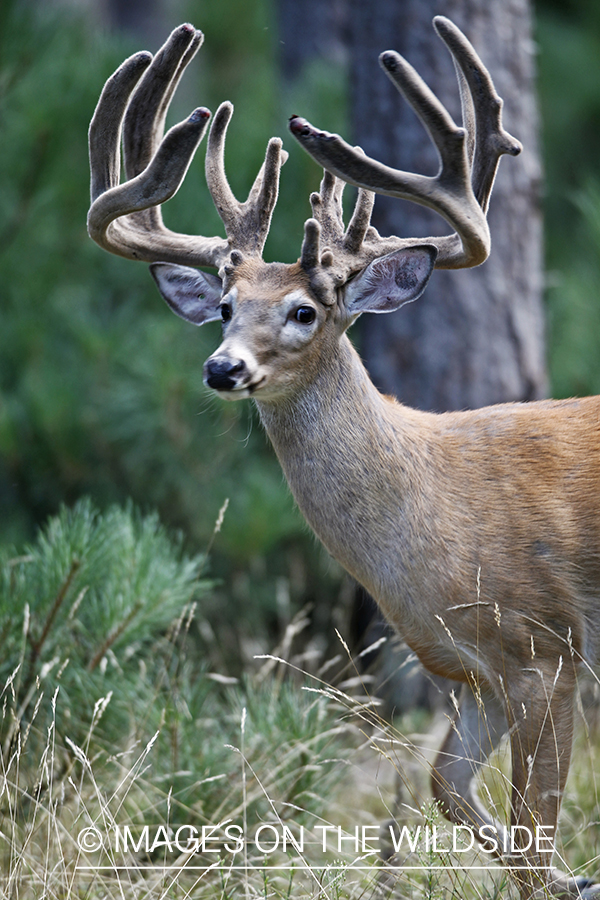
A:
(117, 753)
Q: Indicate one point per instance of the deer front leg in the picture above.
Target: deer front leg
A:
(540, 711)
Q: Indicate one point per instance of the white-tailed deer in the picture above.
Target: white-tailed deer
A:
(478, 533)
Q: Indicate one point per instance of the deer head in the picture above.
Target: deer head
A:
(279, 319)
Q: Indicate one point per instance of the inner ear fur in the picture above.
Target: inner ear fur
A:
(390, 281)
(193, 295)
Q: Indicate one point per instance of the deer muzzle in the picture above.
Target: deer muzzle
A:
(225, 374)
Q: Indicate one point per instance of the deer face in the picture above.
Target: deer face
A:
(275, 327)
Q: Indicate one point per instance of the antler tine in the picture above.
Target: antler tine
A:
(330, 197)
(144, 122)
(147, 111)
(328, 211)
(119, 219)
(360, 222)
(106, 124)
(450, 192)
(481, 111)
(326, 204)
(329, 200)
(247, 224)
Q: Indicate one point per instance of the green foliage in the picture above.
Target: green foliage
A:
(574, 304)
(569, 75)
(207, 735)
(110, 715)
(82, 607)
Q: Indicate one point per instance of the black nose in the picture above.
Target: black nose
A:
(221, 373)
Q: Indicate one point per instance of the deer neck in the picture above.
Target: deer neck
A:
(349, 459)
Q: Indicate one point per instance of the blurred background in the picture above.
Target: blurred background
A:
(101, 391)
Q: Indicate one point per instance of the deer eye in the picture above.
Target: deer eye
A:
(225, 312)
(305, 315)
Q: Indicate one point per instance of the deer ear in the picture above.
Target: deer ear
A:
(391, 281)
(191, 294)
